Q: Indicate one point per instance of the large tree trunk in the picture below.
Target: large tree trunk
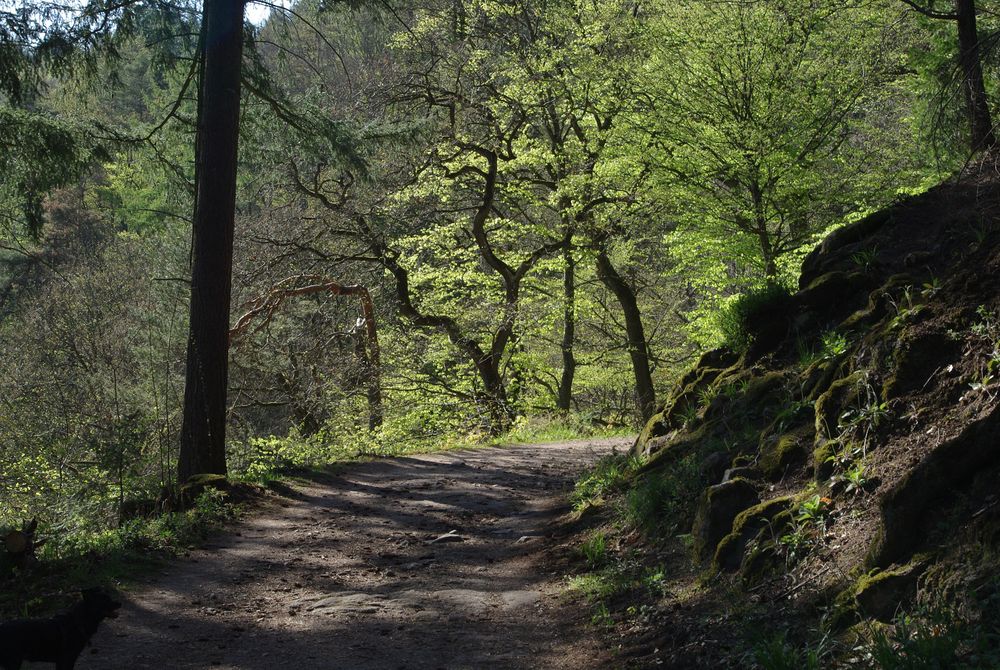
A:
(203, 433)
(565, 399)
(637, 348)
(970, 62)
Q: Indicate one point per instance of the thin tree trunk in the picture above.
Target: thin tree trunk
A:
(373, 358)
(494, 399)
(565, 399)
(203, 432)
(638, 350)
(970, 61)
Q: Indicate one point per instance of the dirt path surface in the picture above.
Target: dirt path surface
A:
(418, 562)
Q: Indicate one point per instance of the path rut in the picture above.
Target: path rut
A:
(424, 562)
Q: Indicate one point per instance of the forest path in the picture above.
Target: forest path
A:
(345, 574)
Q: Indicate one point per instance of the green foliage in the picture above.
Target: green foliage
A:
(776, 653)
(807, 527)
(662, 502)
(922, 641)
(161, 534)
(595, 550)
(833, 345)
(598, 586)
(609, 475)
(536, 428)
(762, 124)
(855, 478)
(814, 510)
(612, 128)
(102, 556)
(40, 153)
(865, 258)
(737, 317)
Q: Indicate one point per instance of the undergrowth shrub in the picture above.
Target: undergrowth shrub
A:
(775, 652)
(737, 315)
(662, 502)
(595, 550)
(71, 560)
(160, 534)
(609, 475)
(553, 427)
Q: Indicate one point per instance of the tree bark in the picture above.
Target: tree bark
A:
(565, 399)
(638, 350)
(970, 62)
(203, 432)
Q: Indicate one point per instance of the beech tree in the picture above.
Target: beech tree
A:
(770, 122)
(527, 130)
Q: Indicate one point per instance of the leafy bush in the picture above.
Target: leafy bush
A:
(101, 556)
(536, 428)
(736, 317)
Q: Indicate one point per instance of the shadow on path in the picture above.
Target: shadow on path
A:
(346, 575)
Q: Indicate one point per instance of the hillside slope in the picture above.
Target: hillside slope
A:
(847, 462)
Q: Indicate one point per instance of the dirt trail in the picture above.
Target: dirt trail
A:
(345, 576)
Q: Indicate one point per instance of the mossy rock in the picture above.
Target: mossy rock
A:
(710, 366)
(832, 403)
(823, 459)
(721, 358)
(875, 310)
(816, 378)
(747, 526)
(915, 358)
(689, 398)
(760, 389)
(656, 444)
(880, 594)
(714, 466)
(656, 427)
(718, 507)
(747, 472)
(779, 454)
(763, 556)
(860, 320)
(667, 449)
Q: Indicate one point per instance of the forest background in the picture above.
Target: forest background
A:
(553, 206)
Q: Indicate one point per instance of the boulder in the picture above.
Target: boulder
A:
(714, 466)
(718, 507)
(882, 594)
(778, 453)
(747, 525)
(742, 471)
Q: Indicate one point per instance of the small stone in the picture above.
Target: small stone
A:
(450, 536)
